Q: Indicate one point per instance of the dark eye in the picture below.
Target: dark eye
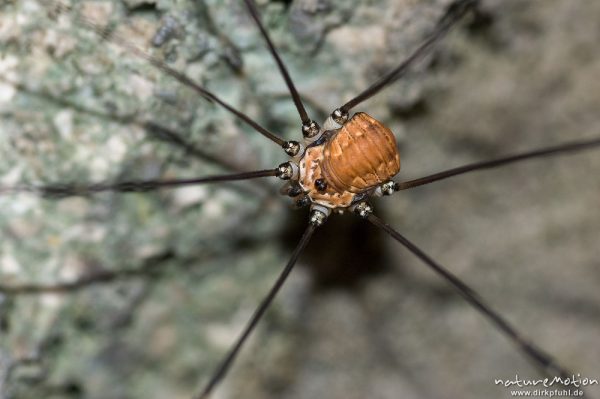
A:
(321, 185)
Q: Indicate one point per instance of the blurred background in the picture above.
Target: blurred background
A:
(359, 317)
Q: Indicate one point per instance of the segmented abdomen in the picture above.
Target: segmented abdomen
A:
(362, 155)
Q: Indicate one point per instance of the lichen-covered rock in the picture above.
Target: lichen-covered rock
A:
(359, 318)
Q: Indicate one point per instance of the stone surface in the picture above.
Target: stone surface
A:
(359, 317)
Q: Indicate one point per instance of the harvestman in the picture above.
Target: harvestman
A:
(336, 168)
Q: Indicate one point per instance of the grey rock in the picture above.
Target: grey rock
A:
(359, 317)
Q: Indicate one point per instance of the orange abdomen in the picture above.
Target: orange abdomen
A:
(362, 155)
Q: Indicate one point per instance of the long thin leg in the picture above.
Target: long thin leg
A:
(67, 190)
(227, 361)
(544, 152)
(108, 34)
(154, 129)
(541, 359)
(453, 15)
(282, 68)
(153, 267)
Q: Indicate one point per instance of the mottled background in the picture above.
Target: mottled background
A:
(359, 318)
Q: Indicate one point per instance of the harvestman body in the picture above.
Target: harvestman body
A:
(336, 168)
(345, 162)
